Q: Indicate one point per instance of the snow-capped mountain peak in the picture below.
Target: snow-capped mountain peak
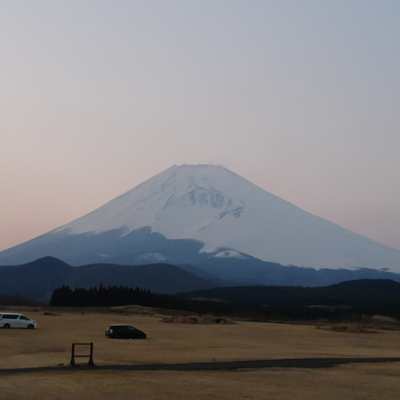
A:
(217, 214)
(191, 195)
(222, 210)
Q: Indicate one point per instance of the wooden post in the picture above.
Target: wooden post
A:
(91, 363)
(72, 362)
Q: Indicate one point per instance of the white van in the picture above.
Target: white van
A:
(14, 320)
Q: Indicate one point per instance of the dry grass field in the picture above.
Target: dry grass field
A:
(169, 343)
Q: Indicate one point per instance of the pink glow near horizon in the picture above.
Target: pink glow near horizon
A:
(301, 98)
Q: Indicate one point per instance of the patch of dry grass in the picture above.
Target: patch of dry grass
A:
(50, 345)
(353, 382)
(386, 323)
(197, 319)
(348, 328)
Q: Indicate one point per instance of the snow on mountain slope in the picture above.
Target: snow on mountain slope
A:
(225, 211)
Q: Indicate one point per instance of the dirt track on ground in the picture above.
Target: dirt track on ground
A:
(308, 363)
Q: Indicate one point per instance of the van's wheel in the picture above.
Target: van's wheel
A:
(6, 326)
(30, 326)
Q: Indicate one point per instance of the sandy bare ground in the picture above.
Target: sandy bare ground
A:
(349, 382)
(49, 349)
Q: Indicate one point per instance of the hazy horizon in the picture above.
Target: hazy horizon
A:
(300, 98)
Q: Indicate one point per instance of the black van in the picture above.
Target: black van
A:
(124, 332)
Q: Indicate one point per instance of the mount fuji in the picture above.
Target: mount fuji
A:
(206, 215)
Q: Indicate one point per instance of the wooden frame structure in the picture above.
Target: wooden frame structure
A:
(90, 355)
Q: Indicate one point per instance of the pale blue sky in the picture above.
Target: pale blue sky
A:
(300, 97)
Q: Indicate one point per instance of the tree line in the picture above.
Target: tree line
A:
(112, 296)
